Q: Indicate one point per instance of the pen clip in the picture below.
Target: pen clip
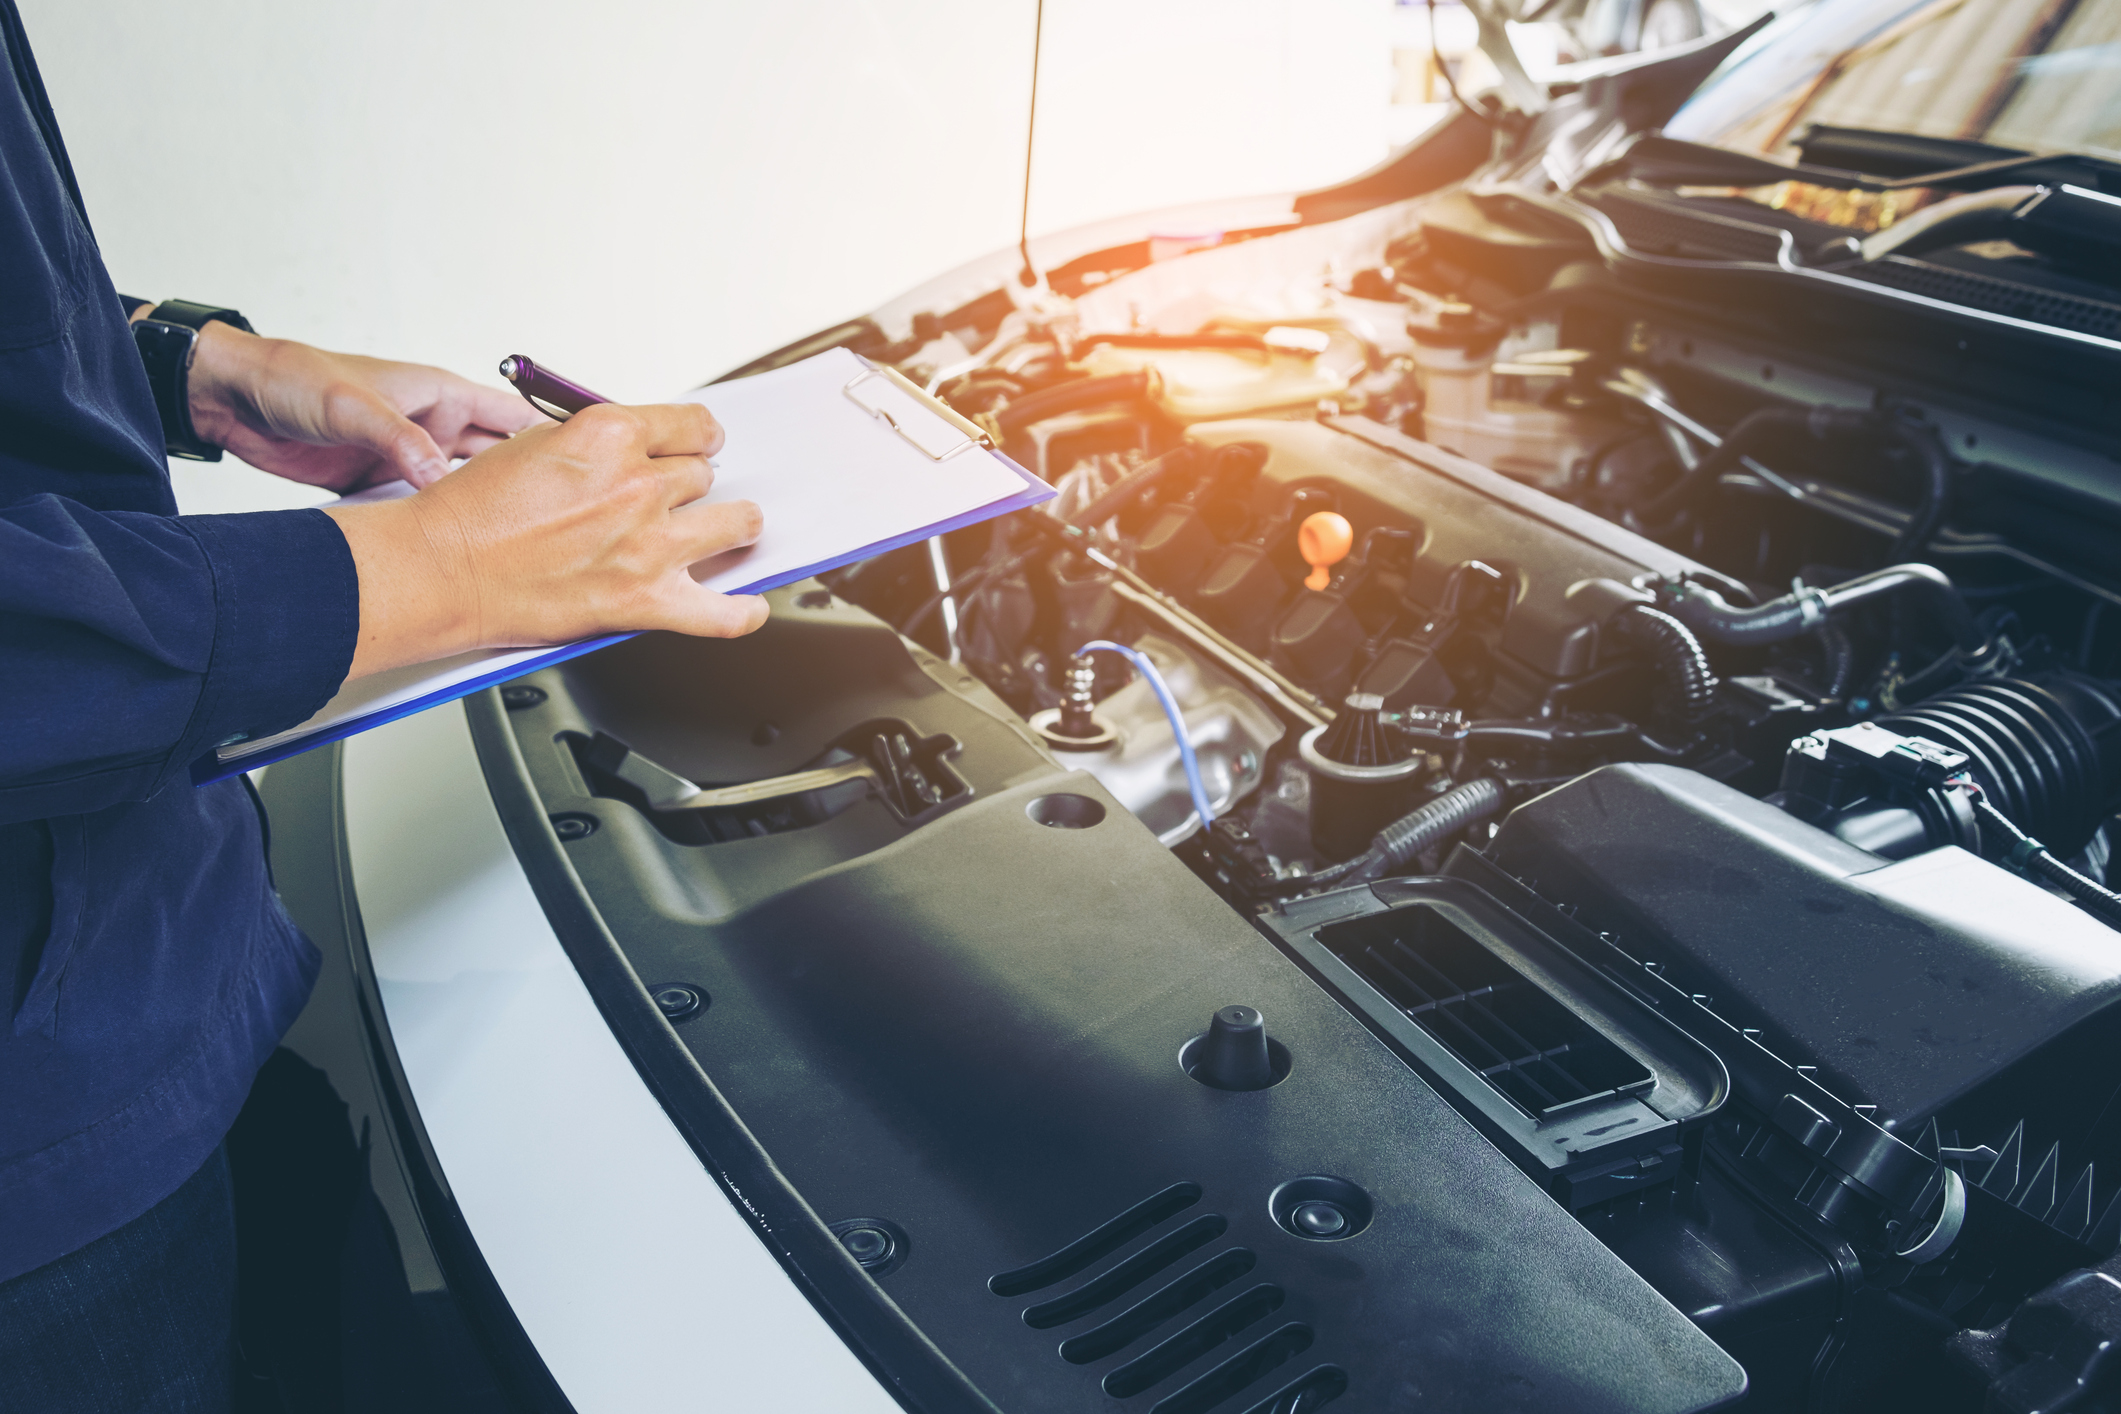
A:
(557, 414)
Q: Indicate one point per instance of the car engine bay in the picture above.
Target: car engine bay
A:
(1603, 900)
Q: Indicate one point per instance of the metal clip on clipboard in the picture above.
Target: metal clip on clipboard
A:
(940, 432)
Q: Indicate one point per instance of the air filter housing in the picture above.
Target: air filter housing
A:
(1586, 1088)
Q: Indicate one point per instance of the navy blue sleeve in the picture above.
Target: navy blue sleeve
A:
(133, 643)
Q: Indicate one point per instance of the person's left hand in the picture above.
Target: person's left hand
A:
(341, 421)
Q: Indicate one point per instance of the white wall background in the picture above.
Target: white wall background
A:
(647, 192)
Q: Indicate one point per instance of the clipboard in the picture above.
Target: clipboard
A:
(848, 459)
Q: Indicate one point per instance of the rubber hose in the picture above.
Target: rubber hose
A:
(1926, 582)
(1943, 671)
(1822, 423)
(1723, 457)
(1083, 393)
(1840, 660)
(1936, 500)
(964, 585)
(1121, 493)
(1686, 685)
(1456, 809)
(1707, 613)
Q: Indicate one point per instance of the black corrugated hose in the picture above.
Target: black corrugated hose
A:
(2034, 857)
(1686, 685)
(1400, 841)
(1397, 844)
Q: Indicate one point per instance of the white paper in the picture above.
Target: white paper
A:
(830, 475)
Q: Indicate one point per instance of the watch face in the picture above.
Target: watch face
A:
(166, 352)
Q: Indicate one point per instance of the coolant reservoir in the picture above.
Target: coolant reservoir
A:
(1472, 404)
(1205, 384)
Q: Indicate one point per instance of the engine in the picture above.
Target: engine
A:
(1635, 785)
(1738, 871)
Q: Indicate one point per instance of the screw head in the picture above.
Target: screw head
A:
(870, 1246)
(678, 1001)
(515, 699)
(878, 1245)
(574, 827)
(1319, 1218)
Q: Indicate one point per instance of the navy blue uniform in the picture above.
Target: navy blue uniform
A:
(146, 967)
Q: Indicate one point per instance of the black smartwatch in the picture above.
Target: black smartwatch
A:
(167, 339)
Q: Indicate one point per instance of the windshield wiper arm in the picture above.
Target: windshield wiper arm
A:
(1886, 154)
(2066, 222)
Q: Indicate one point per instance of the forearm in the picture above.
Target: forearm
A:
(418, 603)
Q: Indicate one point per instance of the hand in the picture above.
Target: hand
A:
(341, 421)
(570, 529)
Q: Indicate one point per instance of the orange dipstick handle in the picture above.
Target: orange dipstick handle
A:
(1324, 539)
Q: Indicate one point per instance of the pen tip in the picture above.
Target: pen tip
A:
(510, 366)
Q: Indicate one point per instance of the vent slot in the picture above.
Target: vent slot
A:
(1994, 296)
(1313, 1390)
(1098, 1242)
(1157, 1307)
(1537, 1053)
(1194, 1341)
(1252, 1363)
(1120, 1280)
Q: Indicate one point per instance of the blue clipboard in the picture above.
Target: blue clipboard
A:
(877, 390)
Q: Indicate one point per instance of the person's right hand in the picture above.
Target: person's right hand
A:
(561, 532)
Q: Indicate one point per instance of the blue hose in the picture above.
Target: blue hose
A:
(1162, 690)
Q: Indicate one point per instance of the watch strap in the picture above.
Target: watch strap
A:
(168, 340)
(194, 315)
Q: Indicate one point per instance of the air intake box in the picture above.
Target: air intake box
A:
(1591, 1092)
(1939, 986)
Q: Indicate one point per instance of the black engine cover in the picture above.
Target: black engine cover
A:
(969, 1030)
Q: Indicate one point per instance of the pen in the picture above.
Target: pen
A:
(558, 398)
